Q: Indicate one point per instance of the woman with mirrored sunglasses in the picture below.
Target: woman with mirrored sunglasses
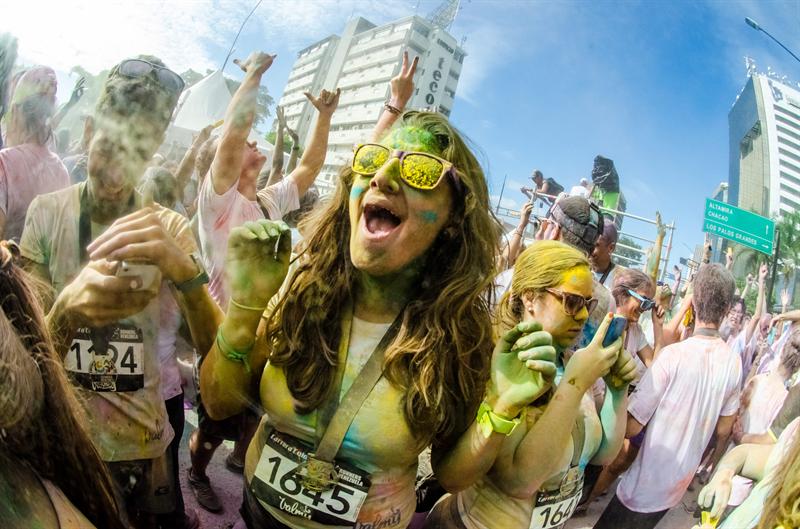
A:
(633, 293)
(389, 302)
(537, 479)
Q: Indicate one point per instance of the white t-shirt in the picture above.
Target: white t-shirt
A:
(635, 341)
(26, 171)
(772, 358)
(219, 214)
(680, 398)
(745, 349)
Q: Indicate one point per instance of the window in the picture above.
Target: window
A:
(746, 146)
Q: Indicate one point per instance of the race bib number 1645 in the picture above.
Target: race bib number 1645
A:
(277, 484)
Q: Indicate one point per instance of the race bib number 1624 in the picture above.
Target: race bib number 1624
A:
(120, 367)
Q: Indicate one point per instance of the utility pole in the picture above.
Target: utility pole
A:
(500, 199)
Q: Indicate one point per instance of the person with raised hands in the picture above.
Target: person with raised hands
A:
(228, 198)
(401, 90)
(746, 342)
(377, 346)
(537, 478)
(124, 272)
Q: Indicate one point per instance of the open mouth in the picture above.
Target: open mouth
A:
(380, 221)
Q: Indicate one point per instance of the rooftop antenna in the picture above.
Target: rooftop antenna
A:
(444, 14)
(230, 51)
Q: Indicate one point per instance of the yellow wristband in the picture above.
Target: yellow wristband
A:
(489, 422)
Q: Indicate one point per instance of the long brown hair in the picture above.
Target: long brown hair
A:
(442, 353)
(52, 439)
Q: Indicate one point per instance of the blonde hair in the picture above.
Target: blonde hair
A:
(782, 507)
(540, 266)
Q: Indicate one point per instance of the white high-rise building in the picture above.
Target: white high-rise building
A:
(361, 62)
(764, 131)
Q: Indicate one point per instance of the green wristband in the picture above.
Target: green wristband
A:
(231, 353)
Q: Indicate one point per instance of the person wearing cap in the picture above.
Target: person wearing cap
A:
(27, 165)
(579, 222)
(603, 266)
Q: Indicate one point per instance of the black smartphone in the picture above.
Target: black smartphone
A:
(614, 330)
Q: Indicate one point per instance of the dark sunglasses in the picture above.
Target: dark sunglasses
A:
(419, 170)
(135, 68)
(645, 303)
(573, 303)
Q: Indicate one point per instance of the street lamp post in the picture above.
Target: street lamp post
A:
(753, 24)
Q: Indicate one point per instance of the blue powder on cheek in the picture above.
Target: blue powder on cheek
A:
(357, 191)
(429, 216)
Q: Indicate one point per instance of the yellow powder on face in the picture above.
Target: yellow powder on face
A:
(578, 280)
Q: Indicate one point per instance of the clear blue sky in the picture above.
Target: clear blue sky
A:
(545, 85)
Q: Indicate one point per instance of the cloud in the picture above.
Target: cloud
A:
(188, 34)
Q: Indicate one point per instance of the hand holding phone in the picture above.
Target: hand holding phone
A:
(149, 274)
(615, 330)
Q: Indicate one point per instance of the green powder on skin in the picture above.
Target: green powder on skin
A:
(412, 139)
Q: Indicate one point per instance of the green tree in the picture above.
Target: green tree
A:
(288, 143)
(631, 258)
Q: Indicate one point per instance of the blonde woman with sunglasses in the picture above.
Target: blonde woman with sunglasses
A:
(377, 346)
(537, 479)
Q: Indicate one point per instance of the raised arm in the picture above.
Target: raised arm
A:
(654, 259)
(295, 154)
(77, 93)
(227, 164)
(748, 460)
(671, 331)
(314, 155)
(748, 283)
(254, 276)
(763, 271)
(515, 244)
(276, 172)
(186, 167)
(402, 89)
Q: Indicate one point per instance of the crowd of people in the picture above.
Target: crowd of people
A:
(403, 364)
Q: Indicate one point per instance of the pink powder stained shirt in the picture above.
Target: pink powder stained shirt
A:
(680, 398)
(219, 214)
(26, 171)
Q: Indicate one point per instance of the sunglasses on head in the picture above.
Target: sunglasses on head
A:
(573, 303)
(645, 303)
(419, 170)
(135, 68)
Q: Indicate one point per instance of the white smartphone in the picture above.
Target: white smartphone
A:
(147, 272)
